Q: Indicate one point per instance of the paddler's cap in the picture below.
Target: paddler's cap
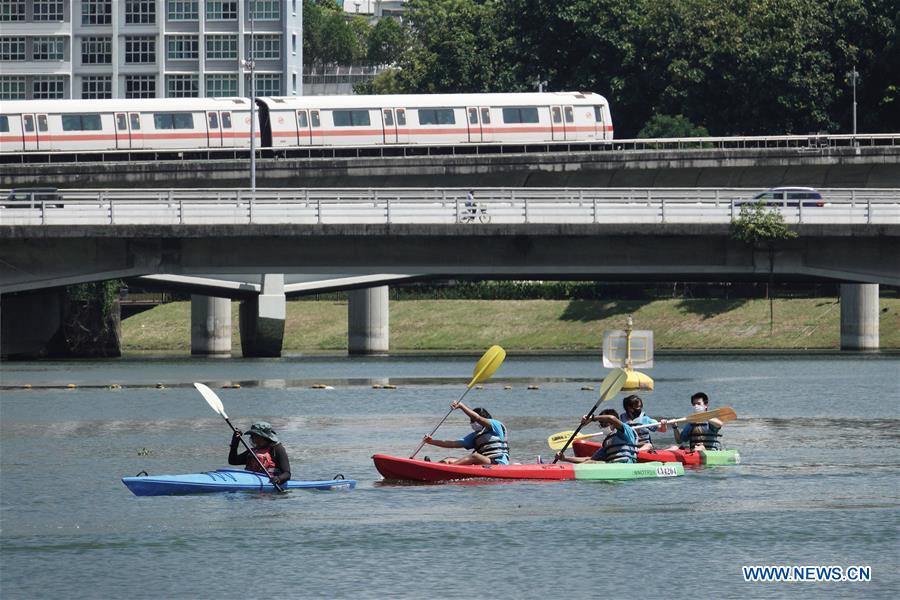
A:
(263, 429)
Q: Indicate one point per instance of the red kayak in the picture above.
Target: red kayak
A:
(685, 457)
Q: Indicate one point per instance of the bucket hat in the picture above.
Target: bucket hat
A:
(263, 429)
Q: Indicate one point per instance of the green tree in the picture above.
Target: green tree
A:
(386, 43)
(664, 126)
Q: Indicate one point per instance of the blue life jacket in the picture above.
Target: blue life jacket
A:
(618, 447)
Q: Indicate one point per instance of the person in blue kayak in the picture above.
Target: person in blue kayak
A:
(619, 445)
(634, 415)
(699, 436)
(488, 439)
(270, 452)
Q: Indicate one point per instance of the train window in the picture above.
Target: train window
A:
(485, 116)
(173, 120)
(302, 121)
(81, 123)
(226, 120)
(401, 116)
(42, 122)
(351, 118)
(213, 120)
(436, 116)
(598, 114)
(473, 116)
(388, 118)
(557, 115)
(4, 124)
(121, 122)
(314, 118)
(570, 114)
(524, 114)
(29, 122)
(135, 122)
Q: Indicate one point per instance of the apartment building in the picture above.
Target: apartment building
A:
(148, 48)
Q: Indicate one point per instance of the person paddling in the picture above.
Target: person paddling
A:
(488, 439)
(268, 449)
(619, 446)
(698, 436)
(634, 415)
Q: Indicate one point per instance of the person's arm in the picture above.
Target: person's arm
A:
(472, 414)
(280, 456)
(443, 443)
(717, 423)
(608, 420)
(233, 457)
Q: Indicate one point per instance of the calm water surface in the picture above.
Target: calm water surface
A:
(811, 490)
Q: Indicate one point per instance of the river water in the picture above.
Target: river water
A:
(819, 483)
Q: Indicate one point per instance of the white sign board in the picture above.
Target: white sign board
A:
(641, 349)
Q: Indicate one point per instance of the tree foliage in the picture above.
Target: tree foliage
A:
(731, 66)
(758, 224)
(667, 126)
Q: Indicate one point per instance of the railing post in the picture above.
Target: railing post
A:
(112, 212)
(800, 210)
(456, 202)
(319, 210)
(869, 210)
(662, 207)
(512, 198)
(43, 212)
(731, 211)
(596, 219)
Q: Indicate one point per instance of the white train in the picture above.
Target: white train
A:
(48, 126)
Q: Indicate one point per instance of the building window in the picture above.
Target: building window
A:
(96, 50)
(183, 47)
(12, 10)
(12, 48)
(219, 86)
(221, 10)
(182, 86)
(48, 87)
(266, 46)
(96, 12)
(140, 86)
(140, 49)
(268, 84)
(12, 88)
(183, 10)
(138, 12)
(265, 10)
(221, 46)
(48, 10)
(48, 48)
(96, 86)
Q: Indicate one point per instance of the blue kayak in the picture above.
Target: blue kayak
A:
(222, 480)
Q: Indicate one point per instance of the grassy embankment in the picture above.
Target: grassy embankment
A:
(538, 325)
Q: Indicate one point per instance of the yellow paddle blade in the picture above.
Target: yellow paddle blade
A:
(726, 413)
(487, 364)
(612, 384)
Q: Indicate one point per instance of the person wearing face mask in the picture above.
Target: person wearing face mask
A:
(488, 439)
(699, 436)
(268, 450)
(619, 445)
(634, 415)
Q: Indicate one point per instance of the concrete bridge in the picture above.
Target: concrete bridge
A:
(864, 161)
(644, 234)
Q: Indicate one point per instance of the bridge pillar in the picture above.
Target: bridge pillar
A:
(262, 319)
(210, 325)
(368, 321)
(859, 316)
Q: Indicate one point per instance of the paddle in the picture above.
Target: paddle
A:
(610, 386)
(214, 403)
(484, 368)
(724, 414)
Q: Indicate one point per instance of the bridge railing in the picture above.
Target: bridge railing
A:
(438, 206)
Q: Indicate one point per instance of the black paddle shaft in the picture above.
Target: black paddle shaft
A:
(253, 454)
(580, 425)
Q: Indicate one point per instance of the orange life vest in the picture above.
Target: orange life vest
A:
(265, 457)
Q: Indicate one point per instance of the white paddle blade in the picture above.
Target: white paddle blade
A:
(211, 398)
